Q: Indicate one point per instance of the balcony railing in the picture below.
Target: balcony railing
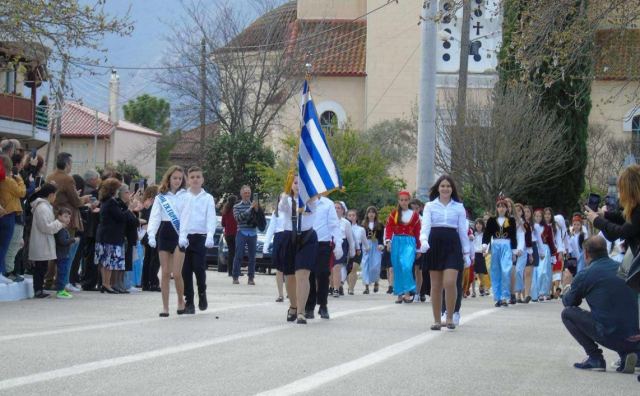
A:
(16, 108)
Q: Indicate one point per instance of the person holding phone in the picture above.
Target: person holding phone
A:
(246, 235)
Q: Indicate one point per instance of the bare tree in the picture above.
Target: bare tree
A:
(396, 138)
(606, 157)
(508, 145)
(251, 71)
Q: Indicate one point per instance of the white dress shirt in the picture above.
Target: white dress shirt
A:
(199, 215)
(346, 232)
(360, 236)
(520, 237)
(451, 215)
(477, 243)
(326, 222)
(178, 202)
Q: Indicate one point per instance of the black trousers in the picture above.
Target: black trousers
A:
(319, 279)
(426, 282)
(74, 274)
(582, 327)
(459, 294)
(231, 245)
(195, 262)
(150, 268)
(91, 275)
(39, 271)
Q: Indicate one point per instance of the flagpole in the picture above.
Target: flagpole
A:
(292, 167)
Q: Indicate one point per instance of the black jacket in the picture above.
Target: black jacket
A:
(614, 306)
(63, 243)
(614, 226)
(113, 222)
(496, 231)
(131, 228)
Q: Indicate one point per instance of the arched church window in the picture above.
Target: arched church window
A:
(329, 122)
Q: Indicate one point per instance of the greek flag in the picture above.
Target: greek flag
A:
(317, 171)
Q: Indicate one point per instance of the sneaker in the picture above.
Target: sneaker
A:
(456, 318)
(341, 291)
(18, 278)
(251, 282)
(236, 281)
(63, 294)
(41, 294)
(594, 364)
(416, 298)
(71, 288)
(336, 293)
(134, 289)
(443, 318)
(629, 364)
(4, 280)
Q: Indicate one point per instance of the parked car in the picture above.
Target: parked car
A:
(263, 261)
(212, 254)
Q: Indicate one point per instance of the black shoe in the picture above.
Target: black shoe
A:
(202, 301)
(189, 309)
(323, 312)
(41, 294)
(330, 290)
(390, 290)
(182, 311)
(527, 299)
(336, 293)
(504, 303)
(107, 290)
(512, 300)
(498, 304)
(366, 291)
(350, 292)
(341, 291)
(301, 319)
(375, 287)
(594, 364)
(292, 313)
(309, 315)
(155, 289)
(423, 298)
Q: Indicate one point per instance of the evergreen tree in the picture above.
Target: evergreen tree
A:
(568, 97)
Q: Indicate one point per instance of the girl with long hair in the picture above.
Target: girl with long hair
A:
(532, 253)
(479, 263)
(541, 277)
(444, 238)
(230, 230)
(163, 230)
(372, 258)
(403, 240)
(556, 258)
(362, 245)
(501, 234)
(523, 236)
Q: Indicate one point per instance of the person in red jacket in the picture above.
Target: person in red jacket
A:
(402, 237)
(230, 229)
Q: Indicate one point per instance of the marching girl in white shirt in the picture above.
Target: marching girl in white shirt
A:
(163, 229)
(282, 255)
(348, 249)
(443, 236)
(362, 245)
(523, 251)
(197, 229)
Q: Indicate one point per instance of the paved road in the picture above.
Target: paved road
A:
(116, 345)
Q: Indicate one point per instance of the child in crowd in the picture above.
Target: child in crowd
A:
(42, 244)
(372, 257)
(479, 263)
(63, 245)
(575, 261)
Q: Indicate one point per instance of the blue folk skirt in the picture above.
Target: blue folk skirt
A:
(403, 253)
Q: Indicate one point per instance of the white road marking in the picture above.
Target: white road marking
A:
(99, 326)
(334, 373)
(119, 361)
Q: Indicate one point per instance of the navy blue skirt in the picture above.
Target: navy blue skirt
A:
(445, 250)
(307, 254)
(283, 253)
(167, 237)
(345, 253)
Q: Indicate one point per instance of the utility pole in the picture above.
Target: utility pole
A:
(60, 106)
(203, 91)
(461, 108)
(427, 105)
(95, 143)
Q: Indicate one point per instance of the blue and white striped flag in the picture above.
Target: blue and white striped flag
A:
(317, 170)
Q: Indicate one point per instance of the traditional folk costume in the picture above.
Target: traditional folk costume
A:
(501, 234)
(541, 277)
(372, 258)
(576, 263)
(561, 239)
(525, 245)
(403, 231)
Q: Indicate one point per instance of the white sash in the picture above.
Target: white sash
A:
(168, 209)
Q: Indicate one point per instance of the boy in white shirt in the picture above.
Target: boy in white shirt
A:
(196, 236)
